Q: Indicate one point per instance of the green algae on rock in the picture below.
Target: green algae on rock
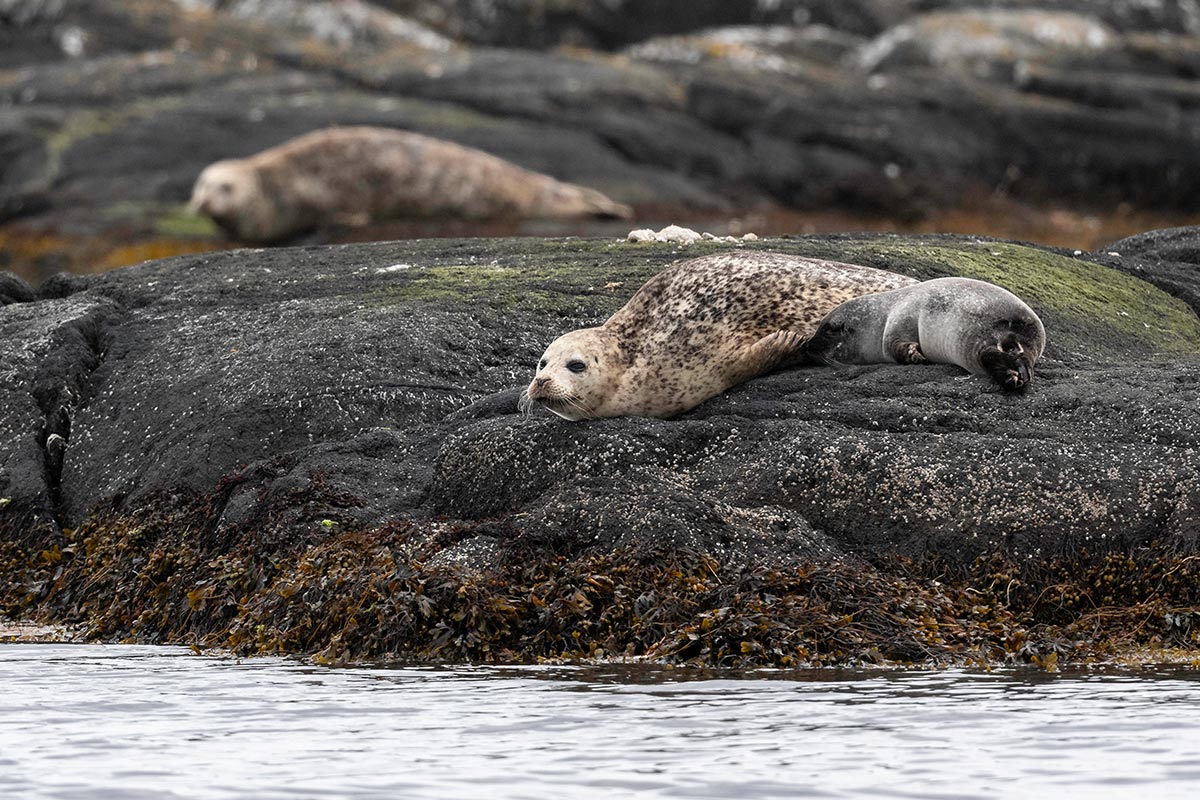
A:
(1094, 309)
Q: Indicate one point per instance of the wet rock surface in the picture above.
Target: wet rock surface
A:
(302, 394)
(185, 440)
(1169, 258)
(108, 111)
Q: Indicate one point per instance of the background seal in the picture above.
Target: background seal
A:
(358, 174)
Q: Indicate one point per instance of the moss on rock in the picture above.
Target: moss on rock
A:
(1089, 309)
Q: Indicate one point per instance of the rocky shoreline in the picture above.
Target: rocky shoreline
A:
(109, 110)
(316, 451)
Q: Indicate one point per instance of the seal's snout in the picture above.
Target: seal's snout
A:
(539, 389)
(815, 350)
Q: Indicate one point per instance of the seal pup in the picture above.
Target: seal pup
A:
(977, 325)
(694, 330)
(357, 174)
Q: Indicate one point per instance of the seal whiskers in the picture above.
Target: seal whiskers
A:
(578, 405)
(525, 405)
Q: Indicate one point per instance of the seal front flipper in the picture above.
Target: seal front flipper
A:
(907, 353)
(492, 405)
(1009, 364)
(781, 348)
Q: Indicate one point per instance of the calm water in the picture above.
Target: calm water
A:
(139, 722)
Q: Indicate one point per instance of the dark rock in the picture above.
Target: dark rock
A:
(882, 461)
(335, 24)
(48, 352)
(14, 290)
(758, 48)
(25, 179)
(987, 43)
(1174, 16)
(62, 284)
(607, 25)
(207, 425)
(883, 108)
(1181, 245)
(44, 31)
(648, 515)
(935, 117)
(285, 369)
(1168, 258)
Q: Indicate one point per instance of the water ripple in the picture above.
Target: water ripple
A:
(91, 722)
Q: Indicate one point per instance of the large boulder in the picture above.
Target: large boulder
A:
(1168, 258)
(232, 427)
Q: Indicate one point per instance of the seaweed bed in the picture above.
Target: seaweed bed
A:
(371, 595)
(315, 451)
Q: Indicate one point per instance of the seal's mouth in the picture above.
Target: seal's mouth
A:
(565, 405)
(821, 355)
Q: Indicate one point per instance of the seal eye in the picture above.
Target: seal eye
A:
(576, 366)
(226, 188)
(542, 364)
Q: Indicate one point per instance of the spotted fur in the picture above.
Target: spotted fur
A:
(979, 326)
(357, 174)
(694, 330)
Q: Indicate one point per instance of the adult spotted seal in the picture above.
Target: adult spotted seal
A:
(977, 325)
(358, 174)
(694, 330)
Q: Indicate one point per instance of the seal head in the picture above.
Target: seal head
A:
(1009, 359)
(576, 374)
(231, 193)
